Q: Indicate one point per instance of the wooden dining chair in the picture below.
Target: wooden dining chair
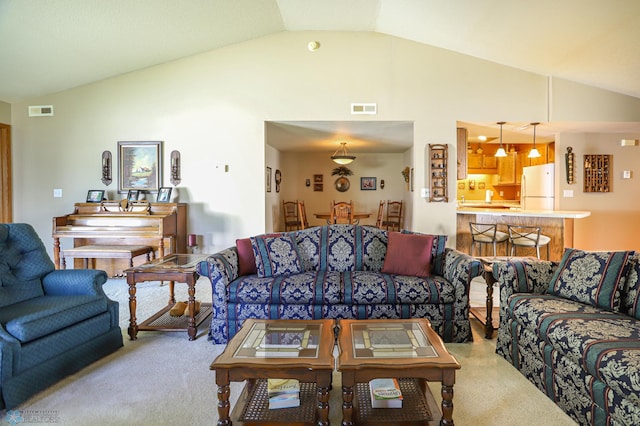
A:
(341, 212)
(380, 215)
(302, 215)
(394, 216)
(291, 218)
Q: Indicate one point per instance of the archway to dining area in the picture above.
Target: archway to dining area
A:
(299, 167)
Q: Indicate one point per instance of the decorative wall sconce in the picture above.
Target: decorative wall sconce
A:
(175, 168)
(569, 160)
(381, 183)
(106, 168)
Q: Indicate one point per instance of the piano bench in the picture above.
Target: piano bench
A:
(105, 252)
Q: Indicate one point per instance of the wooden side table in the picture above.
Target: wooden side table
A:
(287, 349)
(172, 268)
(485, 315)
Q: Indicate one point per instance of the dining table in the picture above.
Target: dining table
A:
(355, 215)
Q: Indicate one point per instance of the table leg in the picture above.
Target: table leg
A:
(172, 295)
(192, 330)
(347, 398)
(223, 398)
(488, 277)
(133, 326)
(447, 404)
(323, 383)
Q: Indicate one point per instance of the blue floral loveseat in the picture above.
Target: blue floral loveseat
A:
(341, 271)
(573, 329)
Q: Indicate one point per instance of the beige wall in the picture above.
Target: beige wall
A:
(5, 113)
(297, 167)
(213, 108)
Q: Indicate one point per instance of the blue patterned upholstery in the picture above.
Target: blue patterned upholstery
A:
(583, 357)
(341, 278)
(52, 323)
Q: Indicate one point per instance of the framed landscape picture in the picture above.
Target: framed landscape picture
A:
(368, 184)
(139, 166)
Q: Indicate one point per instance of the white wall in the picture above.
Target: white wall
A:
(212, 107)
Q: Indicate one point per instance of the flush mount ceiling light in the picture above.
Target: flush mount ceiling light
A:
(501, 152)
(341, 156)
(534, 152)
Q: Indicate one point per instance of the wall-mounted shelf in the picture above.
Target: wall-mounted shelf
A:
(597, 173)
(438, 161)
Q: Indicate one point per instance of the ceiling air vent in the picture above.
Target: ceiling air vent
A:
(364, 109)
(41, 111)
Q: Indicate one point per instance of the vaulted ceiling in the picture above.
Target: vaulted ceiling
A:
(51, 46)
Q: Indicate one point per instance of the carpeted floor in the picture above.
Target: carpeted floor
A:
(163, 379)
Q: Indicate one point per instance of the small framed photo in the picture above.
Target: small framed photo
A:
(133, 195)
(164, 194)
(95, 195)
(268, 179)
(368, 183)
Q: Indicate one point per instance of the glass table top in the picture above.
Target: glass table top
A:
(390, 340)
(280, 340)
(174, 262)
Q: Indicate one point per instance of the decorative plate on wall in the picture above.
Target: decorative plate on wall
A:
(342, 184)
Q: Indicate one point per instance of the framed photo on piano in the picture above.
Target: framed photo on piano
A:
(139, 166)
(95, 195)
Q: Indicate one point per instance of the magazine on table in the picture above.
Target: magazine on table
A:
(385, 393)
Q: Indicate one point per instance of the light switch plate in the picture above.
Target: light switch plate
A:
(567, 193)
(424, 193)
(57, 193)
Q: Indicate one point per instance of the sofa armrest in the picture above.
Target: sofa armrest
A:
(221, 268)
(524, 275)
(460, 268)
(66, 282)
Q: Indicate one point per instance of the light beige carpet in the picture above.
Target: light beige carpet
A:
(163, 379)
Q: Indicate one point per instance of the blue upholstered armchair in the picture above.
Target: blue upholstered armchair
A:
(52, 322)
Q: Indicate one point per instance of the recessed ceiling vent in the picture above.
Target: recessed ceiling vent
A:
(41, 111)
(364, 109)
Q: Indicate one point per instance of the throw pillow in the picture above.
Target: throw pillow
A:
(275, 255)
(588, 277)
(408, 254)
(246, 258)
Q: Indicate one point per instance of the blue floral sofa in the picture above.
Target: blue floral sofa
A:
(573, 329)
(339, 271)
(52, 322)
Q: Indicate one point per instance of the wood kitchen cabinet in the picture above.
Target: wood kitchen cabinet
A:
(461, 152)
(482, 164)
(510, 167)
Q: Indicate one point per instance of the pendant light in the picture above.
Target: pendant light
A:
(501, 152)
(534, 152)
(341, 156)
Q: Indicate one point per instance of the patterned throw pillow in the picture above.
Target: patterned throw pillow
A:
(591, 277)
(408, 254)
(275, 255)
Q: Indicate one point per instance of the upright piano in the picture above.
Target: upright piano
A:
(162, 226)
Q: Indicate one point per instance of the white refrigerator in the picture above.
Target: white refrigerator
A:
(537, 187)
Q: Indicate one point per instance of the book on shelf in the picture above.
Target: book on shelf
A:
(385, 393)
(283, 393)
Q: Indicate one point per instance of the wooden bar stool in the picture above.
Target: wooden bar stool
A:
(527, 236)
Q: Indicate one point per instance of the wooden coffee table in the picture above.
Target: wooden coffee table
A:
(283, 349)
(172, 268)
(408, 350)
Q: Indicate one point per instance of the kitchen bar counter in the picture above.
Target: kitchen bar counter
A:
(557, 224)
